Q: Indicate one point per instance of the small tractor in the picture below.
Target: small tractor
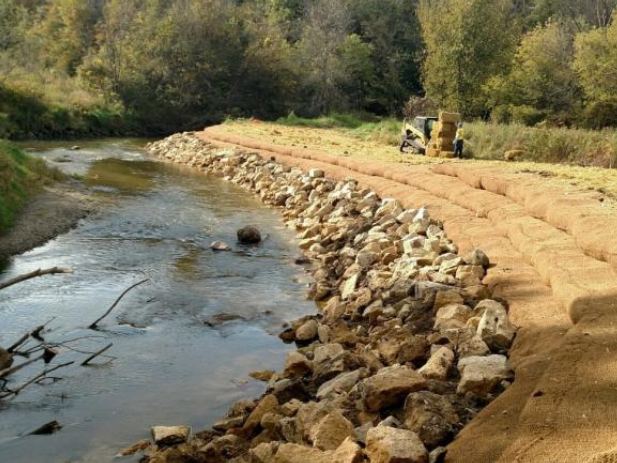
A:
(416, 134)
(432, 136)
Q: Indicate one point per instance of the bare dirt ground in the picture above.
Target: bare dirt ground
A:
(52, 212)
(551, 235)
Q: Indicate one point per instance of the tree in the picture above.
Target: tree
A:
(326, 28)
(596, 64)
(268, 80)
(391, 29)
(541, 82)
(13, 29)
(67, 31)
(467, 43)
(582, 14)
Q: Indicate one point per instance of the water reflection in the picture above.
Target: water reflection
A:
(171, 367)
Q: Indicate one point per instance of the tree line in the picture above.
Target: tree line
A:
(182, 64)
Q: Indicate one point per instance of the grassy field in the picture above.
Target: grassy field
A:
(488, 140)
(346, 136)
(20, 176)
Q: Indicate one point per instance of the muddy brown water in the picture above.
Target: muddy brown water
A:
(157, 221)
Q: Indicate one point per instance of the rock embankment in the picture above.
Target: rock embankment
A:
(408, 345)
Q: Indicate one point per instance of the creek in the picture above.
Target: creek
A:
(156, 221)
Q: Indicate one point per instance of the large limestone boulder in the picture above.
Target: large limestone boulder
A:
(297, 365)
(495, 328)
(389, 386)
(340, 384)
(452, 316)
(482, 375)
(316, 173)
(331, 431)
(170, 435)
(348, 452)
(477, 257)
(390, 445)
(327, 352)
(307, 331)
(269, 404)
(431, 416)
(438, 365)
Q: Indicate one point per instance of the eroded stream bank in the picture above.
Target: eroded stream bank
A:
(157, 220)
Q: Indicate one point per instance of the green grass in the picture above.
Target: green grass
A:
(489, 140)
(544, 144)
(21, 175)
(25, 114)
(362, 126)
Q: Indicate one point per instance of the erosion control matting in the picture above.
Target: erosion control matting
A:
(554, 257)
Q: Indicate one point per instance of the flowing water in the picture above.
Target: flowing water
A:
(170, 368)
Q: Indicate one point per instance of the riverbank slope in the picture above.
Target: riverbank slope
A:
(553, 248)
(37, 203)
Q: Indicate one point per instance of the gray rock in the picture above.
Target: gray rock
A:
(220, 246)
(481, 375)
(342, 383)
(431, 416)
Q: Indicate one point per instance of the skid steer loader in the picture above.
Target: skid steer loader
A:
(416, 134)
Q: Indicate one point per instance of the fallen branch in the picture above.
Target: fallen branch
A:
(126, 291)
(43, 374)
(35, 333)
(9, 371)
(95, 355)
(36, 273)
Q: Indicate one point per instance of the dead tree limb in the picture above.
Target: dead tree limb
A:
(93, 325)
(95, 355)
(9, 371)
(43, 374)
(36, 273)
(35, 333)
(20, 342)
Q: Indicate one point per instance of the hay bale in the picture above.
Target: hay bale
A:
(432, 152)
(447, 154)
(445, 145)
(449, 117)
(514, 155)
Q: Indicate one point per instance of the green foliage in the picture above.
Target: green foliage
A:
(20, 176)
(334, 120)
(543, 144)
(596, 64)
(85, 67)
(467, 43)
(541, 83)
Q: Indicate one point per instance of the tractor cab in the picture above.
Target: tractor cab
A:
(417, 133)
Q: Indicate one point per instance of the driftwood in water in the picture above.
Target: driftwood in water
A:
(36, 273)
(35, 333)
(95, 355)
(113, 306)
(44, 373)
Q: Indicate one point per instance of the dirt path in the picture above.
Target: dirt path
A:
(52, 212)
(555, 259)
